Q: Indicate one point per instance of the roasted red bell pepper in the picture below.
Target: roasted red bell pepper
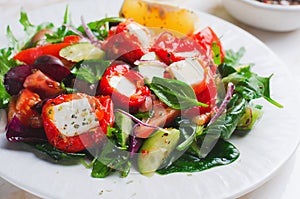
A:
(28, 56)
(170, 48)
(74, 122)
(125, 86)
(124, 44)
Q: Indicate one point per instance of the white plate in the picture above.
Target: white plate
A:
(263, 151)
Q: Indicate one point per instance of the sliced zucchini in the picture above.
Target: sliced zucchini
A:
(81, 51)
(156, 149)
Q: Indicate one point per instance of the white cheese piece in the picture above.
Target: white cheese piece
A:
(74, 117)
(151, 70)
(141, 33)
(189, 71)
(123, 85)
(188, 54)
(149, 56)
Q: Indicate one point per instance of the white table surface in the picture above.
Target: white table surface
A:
(285, 183)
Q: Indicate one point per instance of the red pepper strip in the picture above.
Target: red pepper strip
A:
(103, 108)
(71, 39)
(28, 56)
(171, 49)
(122, 70)
(104, 111)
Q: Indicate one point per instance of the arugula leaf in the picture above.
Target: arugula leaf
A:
(176, 94)
(90, 70)
(12, 39)
(6, 62)
(24, 20)
(59, 35)
(233, 58)
(30, 30)
(4, 96)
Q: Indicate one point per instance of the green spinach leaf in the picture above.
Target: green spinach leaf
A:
(226, 124)
(111, 159)
(56, 154)
(222, 154)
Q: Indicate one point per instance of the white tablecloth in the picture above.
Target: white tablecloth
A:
(284, 185)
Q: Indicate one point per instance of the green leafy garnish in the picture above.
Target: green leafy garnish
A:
(90, 70)
(250, 85)
(56, 154)
(111, 159)
(6, 62)
(176, 94)
(62, 31)
(217, 53)
(233, 58)
(30, 31)
(226, 123)
(101, 28)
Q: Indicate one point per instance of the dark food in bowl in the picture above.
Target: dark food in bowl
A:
(281, 2)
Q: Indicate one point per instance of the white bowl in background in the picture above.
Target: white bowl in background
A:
(270, 17)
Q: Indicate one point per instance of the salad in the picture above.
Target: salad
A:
(115, 95)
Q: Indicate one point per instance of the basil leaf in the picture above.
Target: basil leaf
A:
(176, 94)
(90, 70)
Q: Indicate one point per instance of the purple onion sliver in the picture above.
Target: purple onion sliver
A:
(136, 119)
(71, 28)
(88, 32)
(134, 145)
(228, 96)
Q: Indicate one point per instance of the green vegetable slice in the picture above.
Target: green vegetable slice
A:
(81, 51)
